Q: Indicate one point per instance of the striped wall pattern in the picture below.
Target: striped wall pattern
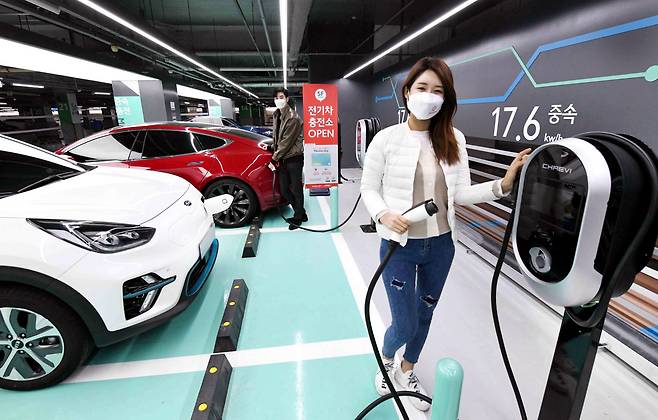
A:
(632, 318)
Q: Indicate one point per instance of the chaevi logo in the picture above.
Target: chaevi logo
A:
(556, 168)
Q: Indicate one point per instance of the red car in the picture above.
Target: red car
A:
(216, 160)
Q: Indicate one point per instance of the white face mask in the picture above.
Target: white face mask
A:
(280, 103)
(424, 105)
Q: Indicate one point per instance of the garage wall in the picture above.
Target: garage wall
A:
(354, 103)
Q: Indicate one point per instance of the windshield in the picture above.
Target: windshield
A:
(19, 173)
(9, 144)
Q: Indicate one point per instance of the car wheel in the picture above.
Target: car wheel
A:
(245, 203)
(42, 341)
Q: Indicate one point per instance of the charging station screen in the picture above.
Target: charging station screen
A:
(559, 204)
(321, 159)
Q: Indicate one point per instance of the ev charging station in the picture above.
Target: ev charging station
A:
(584, 226)
(580, 233)
(366, 129)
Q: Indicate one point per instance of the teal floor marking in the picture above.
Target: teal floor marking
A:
(327, 389)
(166, 397)
(297, 288)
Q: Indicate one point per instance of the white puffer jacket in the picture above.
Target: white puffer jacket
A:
(389, 171)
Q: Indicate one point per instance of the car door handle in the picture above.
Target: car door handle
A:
(195, 163)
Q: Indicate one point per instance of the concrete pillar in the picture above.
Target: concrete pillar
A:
(69, 116)
(139, 101)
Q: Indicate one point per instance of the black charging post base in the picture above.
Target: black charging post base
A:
(571, 369)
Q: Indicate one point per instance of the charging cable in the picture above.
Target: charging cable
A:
(494, 302)
(496, 321)
(419, 212)
(274, 173)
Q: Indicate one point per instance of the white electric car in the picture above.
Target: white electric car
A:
(90, 256)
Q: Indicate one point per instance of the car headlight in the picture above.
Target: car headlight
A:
(97, 236)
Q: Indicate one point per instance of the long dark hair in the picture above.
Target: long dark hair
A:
(441, 130)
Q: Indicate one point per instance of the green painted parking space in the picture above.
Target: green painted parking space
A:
(166, 397)
(312, 389)
(297, 291)
(326, 389)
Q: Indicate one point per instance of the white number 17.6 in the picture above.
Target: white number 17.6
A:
(530, 122)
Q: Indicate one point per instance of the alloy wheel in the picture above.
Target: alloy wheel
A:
(240, 208)
(30, 345)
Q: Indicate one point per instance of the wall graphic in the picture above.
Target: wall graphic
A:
(602, 80)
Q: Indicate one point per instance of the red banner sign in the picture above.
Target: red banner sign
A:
(321, 135)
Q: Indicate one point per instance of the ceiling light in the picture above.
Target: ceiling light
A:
(414, 35)
(283, 19)
(45, 5)
(27, 86)
(157, 41)
(29, 57)
(189, 92)
(102, 93)
(3, 103)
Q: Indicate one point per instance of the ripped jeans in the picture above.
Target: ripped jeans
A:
(414, 279)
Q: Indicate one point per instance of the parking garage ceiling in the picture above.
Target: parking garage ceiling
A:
(240, 39)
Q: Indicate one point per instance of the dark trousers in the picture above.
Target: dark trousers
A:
(291, 184)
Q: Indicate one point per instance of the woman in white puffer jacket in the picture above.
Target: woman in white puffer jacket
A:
(406, 164)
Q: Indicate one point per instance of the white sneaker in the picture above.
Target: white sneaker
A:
(409, 382)
(380, 383)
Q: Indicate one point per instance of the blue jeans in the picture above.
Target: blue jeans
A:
(414, 278)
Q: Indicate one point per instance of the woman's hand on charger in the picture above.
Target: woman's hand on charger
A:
(514, 167)
(394, 221)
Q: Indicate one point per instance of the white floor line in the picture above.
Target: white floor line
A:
(299, 352)
(359, 289)
(357, 284)
(240, 358)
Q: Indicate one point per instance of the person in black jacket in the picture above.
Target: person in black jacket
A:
(288, 155)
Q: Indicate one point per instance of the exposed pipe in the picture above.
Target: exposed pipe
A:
(246, 25)
(113, 32)
(258, 69)
(298, 20)
(385, 23)
(119, 35)
(272, 84)
(167, 65)
(267, 34)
